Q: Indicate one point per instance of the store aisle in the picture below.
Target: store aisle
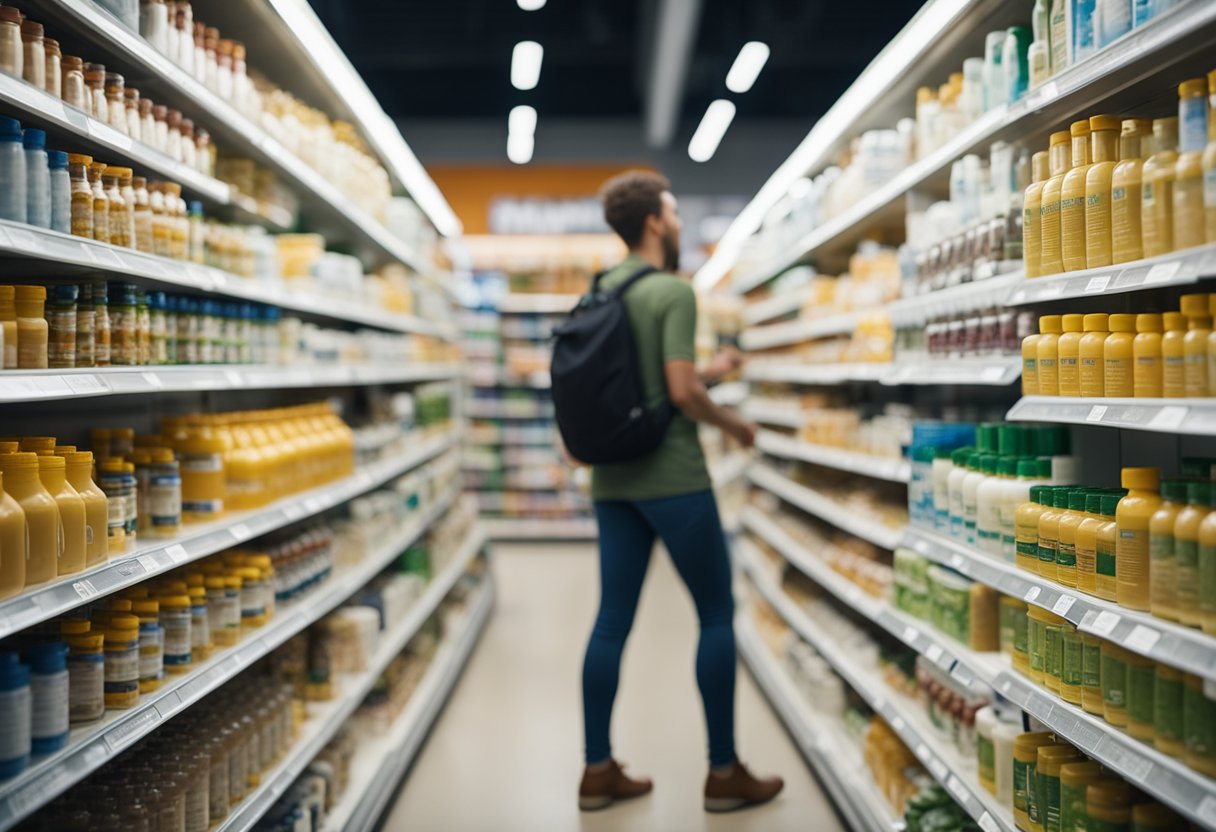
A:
(506, 754)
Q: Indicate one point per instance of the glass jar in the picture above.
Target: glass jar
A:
(173, 137)
(101, 325)
(12, 53)
(32, 329)
(127, 189)
(189, 149)
(175, 213)
(119, 227)
(116, 102)
(123, 340)
(161, 236)
(161, 135)
(95, 81)
(147, 124)
(75, 92)
(33, 54)
(82, 194)
(54, 67)
(101, 203)
(143, 216)
(61, 327)
(86, 328)
(134, 124)
(223, 76)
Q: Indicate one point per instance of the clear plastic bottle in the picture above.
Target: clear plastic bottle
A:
(37, 179)
(61, 192)
(120, 220)
(101, 203)
(12, 170)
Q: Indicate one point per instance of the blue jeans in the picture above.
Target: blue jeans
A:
(691, 530)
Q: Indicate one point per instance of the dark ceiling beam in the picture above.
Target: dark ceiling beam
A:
(676, 27)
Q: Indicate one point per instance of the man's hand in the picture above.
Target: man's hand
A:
(724, 363)
(745, 434)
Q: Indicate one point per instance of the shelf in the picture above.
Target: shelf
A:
(65, 255)
(33, 385)
(1191, 416)
(842, 517)
(980, 293)
(1181, 268)
(882, 468)
(331, 716)
(997, 371)
(328, 209)
(729, 468)
(527, 529)
(902, 715)
(523, 303)
(93, 745)
(797, 331)
(834, 756)
(1187, 649)
(780, 415)
(55, 598)
(789, 372)
(380, 764)
(503, 410)
(782, 303)
(729, 394)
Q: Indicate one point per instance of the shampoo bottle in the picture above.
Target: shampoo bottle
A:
(1072, 199)
(1117, 356)
(1104, 133)
(1126, 228)
(1189, 218)
(1068, 348)
(1047, 350)
(1173, 355)
(1157, 189)
(1032, 238)
(1051, 254)
(1147, 376)
(1091, 348)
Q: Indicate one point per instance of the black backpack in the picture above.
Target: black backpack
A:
(597, 385)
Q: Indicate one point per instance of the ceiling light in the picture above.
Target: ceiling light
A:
(747, 66)
(525, 64)
(531, 5)
(711, 130)
(522, 120)
(520, 147)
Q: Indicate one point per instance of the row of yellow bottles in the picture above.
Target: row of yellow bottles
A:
(1149, 355)
(1111, 190)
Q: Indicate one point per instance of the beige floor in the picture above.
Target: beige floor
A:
(505, 756)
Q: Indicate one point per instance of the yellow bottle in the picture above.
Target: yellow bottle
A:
(1132, 575)
(12, 544)
(1030, 365)
(1047, 354)
(1087, 543)
(1026, 528)
(1197, 343)
(1068, 349)
(1104, 135)
(1168, 703)
(1091, 670)
(1189, 216)
(1108, 804)
(1108, 534)
(41, 515)
(202, 469)
(1173, 355)
(96, 506)
(1051, 253)
(1072, 199)
(1126, 228)
(73, 525)
(8, 322)
(1066, 554)
(1049, 530)
(1075, 779)
(1025, 760)
(1141, 682)
(1199, 706)
(1092, 371)
(1186, 551)
(1036, 643)
(1117, 358)
(1114, 684)
(1147, 371)
(1207, 573)
(1032, 203)
(1209, 165)
(1157, 190)
(1162, 566)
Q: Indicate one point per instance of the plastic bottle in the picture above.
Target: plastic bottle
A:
(1016, 492)
(1032, 203)
(971, 485)
(1069, 351)
(113, 482)
(12, 172)
(82, 194)
(176, 620)
(61, 192)
(1162, 571)
(37, 179)
(202, 472)
(1025, 760)
(1186, 551)
(1104, 134)
(86, 669)
(96, 506)
(1199, 709)
(1047, 781)
(22, 481)
(988, 499)
(73, 530)
(1091, 674)
(1173, 355)
(201, 644)
(122, 662)
(49, 697)
(32, 331)
(151, 645)
(1091, 350)
(1117, 357)
(1070, 522)
(1047, 349)
(1127, 235)
(1108, 534)
(1188, 211)
(164, 494)
(1207, 573)
(1141, 684)
(1168, 696)
(1157, 189)
(1209, 166)
(1075, 778)
(1049, 531)
(8, 325)
(15, 722)
(1072, 199)
(1148, 370)
(1196, 344)
(101, 203)
(1112, 20)
(1051, 255)
(1133, 582)
(1030, 365)
(1039, 54)
(1087, 544)
(1026, 531)
(1114, 684)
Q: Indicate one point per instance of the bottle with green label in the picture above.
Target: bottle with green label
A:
(1206, 568)
(1107, 536)
(1072, 664)
(1162, 577)
(1186, 551)
(1047, 782)
(1168, 734)
(1114, 684)
(1070, 522)
(1141, 687)
(1075, 778)
(1091, 674)
(1025, 759)
(1199, 725)
(1108, 806)
(1049, 530)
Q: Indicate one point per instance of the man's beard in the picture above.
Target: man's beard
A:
(671, 253)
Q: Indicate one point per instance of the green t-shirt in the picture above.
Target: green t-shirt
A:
(663, 313)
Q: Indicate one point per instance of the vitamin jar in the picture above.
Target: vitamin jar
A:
(86, 670)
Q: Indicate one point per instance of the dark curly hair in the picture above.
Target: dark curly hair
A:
(629, 199)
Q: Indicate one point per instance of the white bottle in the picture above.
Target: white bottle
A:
(971, 487)
(37, 179)
(61, 192)
(954, 486)
(943, 466)
(1112, 20)
(1006, 731)
(990, 503)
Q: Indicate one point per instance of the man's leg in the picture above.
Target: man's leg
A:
(625, 541)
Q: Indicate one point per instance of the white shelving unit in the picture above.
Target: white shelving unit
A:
(1191, 416)
(893, 469)
(996, 371)
(812, 502)
(1180, 268)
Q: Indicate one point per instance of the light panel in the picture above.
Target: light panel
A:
(526, 59)
(710, 131)
(531, 5)
(522, 120)
(746, 68)
(520, 147)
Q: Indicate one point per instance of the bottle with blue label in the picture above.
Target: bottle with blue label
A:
(49, 697)
(1112, 20)
(1083, 43)
(14, 716)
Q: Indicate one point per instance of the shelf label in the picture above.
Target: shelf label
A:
(241, 532)
(176, 552)
(988, 824)
(293, 511)
(960, 790)
(1096, 413)
(897, 722)
(994, 373)
(1142, 639)
(1207, 810)
(87, 383)
(957, 561)
(1162, 272)
(933, 653)
(1097, 284)
(1105, 623)
(1031, 594)
(1168, 418)
(911, 634)
(1063, 604)
(153, 380)
(84, 589)
(137, 725)
(148, 563)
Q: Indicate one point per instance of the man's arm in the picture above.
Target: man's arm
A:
(723, 364)
(688, 393)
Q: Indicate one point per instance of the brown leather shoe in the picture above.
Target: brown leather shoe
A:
(740, 789)
(600, 789)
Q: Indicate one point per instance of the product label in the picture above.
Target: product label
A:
(1091, 665)
(165, 501)
(15, 727)
(1117, 377)
(1033, 798)
(203, 506)
(1141, 682)
(200, 627)
(1047, 550)
(1047, 791)
(1073, 658)
(202, 464)
(122, 668)
(1114, 680)
(985, 753)
(1021, 631)
(1066, 554)
(1022, 772)
(151, 652)
(1168, 707)
(87, 678)
(1053, 653)
(1106, 559)
(1207, 580)
(177, 637)
(1073, 809)
(49, 713)
(1186, 564)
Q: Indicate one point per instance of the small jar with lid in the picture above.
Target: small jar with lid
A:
(143, 215)
(173, 141)
(134, 124)
(32, 330)
(74, 89)
(86, 669)
(211, 41)
(61, 191)
(12, 52)
(189, 148)
(54, 67)
(118, 227)
(176, 621)
(122, 661)
(33, 54)
(116, 101)
(126, 187)
(61, 326)
(95, 83)
(199, 67)
(223, 76)
(201, 644)
(14, 712)
(151, 645)
(147, 123)
(160, 114)
(49, 694)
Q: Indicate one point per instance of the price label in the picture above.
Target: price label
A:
(1097, 284)
(153, 380)
(1142, 639)
(84, 589)
(87, 383)
(988, 824)
(148, 563)
(897, 722)
(959, 789)
(994, 373)
(1168, 418)
(1063, 604)
(1207, 810)
(241, 532)
(957, 561)
(1031, 594)
(176, 552)
(934, 653)
(293, 511)
(1105, 623)
(1096, 413)
(911, 634)
(1163, 272)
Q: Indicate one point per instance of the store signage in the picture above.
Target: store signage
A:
(547, 216)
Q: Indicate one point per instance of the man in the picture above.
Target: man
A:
(667, 495)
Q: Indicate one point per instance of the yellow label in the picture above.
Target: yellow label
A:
(1118, 378)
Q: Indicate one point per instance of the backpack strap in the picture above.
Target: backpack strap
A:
(620, 291)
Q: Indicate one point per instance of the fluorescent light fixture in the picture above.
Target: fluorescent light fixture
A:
(531, 5)
(711, 130)
(520, 147)
(747, 66)
(522, 120)
(525, 64)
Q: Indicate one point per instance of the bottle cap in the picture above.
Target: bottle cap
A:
(1060, 496)
(1141, 478)
(74, 626)
(123, 627)
(1036, 493)
(1195, 306)
(1173, 321)
(57, 159)
(1051, 324)
(1028, 467)
(959, 457)
(1074, 323)
(10, 128)
(1093, 502)
(1077, 498)
(1039, 166)
(1148, 322)
(1196, 491)
(1122, 323)
(21, 461)
(145, 606)
(1096, 322)
(33, 139)
(988, 463)
(13, 674)
(1007, 466)
(1079, 128)
(49, 658)
(51, 463)
(1173, 490)
(1110, 502)
(1193, 87)
(1104, 123)
(1062, 137)
(31, 30)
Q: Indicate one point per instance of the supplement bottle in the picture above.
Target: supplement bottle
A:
(37, 179)
(1047, 782)
(61, 192)
(86, 669)
(971, 485)
(1091, 349)
(1198, 715)
(1072, 199)
(201, 644)
(12, 544)
(1209, 166)
(1047, 354)
(941, 492)
(22, 481)
(1068, 348)
(1188, 173)
(1168, 697)
(122, 661)
(1030, 365)
(1032, 240)
(1070, 523)
(1157, 190)
(1196, 343)
(1173, 355)
(1087, 543)
(49, 697)
(1075, 778)
(1114, 684)
(1108, 804)
(1141, 685)
(1162, 572)
(1026, 531)
(1049, 530)
(151, 645)
(1207, 573)
(73, 529)
(113, 483)
(1155, 817)
(164, 494)
(176, 621)
(1059, 161)
(1147, 370)
(1091, 674)
(1133, 589)
(82, 194)
(1025, 760)
(988, 503)
(15, 712)
(1186, 551)
(61, 326)
(101, 203)
(1016, 493)
(8, 325)
(1117, 357)
(32, 331)
(96, 506)
(12, 171)
(1108, 547)
(1127, 192)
